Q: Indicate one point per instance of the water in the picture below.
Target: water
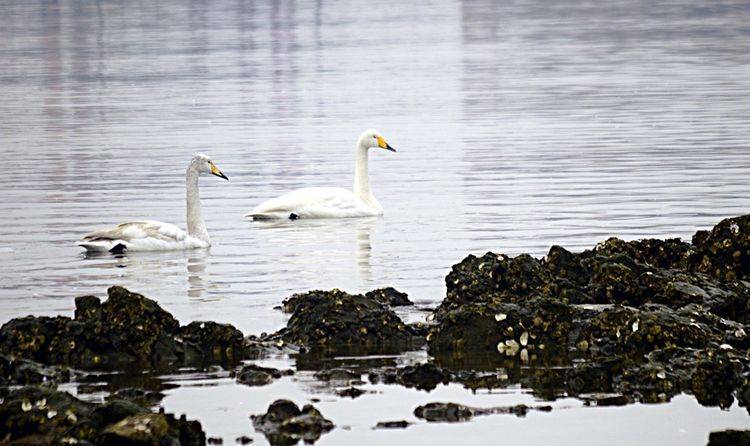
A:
(519, 125)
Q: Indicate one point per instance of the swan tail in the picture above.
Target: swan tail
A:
(113, 246)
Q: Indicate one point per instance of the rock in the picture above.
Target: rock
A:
(39, 415)
(351, 392)
(424, 376)
(729, 437)
(213, 342)
(21, 371)
(402, 424)
(138, 396)
(254, 375)
(390, 296)
(723, 252)
(338, 322)
(284, 423)
(338, 375)
(498, 327)
(146, 429)
(451, 412)
(126, 330)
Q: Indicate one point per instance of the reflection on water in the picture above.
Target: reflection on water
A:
(198, 277)
(519, 125)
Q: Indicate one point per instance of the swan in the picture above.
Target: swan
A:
(157, 236)
(330, 202)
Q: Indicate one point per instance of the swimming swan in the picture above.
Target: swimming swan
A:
(330, 202)
(155, 235)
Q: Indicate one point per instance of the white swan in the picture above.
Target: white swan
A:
(155, 235)
(330, 202)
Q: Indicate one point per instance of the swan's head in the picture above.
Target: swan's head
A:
(372, 139)
(202, 164)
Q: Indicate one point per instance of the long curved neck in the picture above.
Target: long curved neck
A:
(195, 224)
(361, 176)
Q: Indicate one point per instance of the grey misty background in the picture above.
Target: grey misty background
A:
(519, 125)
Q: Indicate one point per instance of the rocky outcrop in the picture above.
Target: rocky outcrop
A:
(335, 321)
(642, 320)
(127, 329)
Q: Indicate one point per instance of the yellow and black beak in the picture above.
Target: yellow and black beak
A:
(215, 171)
(384, 145)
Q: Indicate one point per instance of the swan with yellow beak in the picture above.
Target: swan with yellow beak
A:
(149, 235)
(330, 202)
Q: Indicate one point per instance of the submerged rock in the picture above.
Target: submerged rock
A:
(254, 375)
(451, 412)
(286, 424)
(402, 424)
(127, 329)
(336, 321)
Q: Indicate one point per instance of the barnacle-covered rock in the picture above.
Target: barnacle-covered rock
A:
(503, 328)
(390, 296)
(723, 252)
(40, 415)
(211, 342)
(336, 321)
(286, 424)
(125, 330)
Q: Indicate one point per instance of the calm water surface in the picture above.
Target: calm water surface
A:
(519, 125)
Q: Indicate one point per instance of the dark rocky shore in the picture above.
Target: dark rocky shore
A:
(638, 321)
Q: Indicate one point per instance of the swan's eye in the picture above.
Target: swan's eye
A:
(375, 136)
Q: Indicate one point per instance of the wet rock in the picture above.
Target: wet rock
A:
(424, 376)
(723, 252)
(336, 321)
(402, 424)
(127, 329)
(351, 392)
(212, 342)
(146, 429)
(138, 396)
(286, 424)
(729, 437)
(502, 328)
(338, 375)
(39, 415)
(254, 375)
(390, 296)
(21, 371)
(451, 412)
(445, 412)
(604, 399)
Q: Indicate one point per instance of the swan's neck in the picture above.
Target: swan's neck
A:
(195, 224)
(361, 176)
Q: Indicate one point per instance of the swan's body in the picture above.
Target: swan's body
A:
(317, 202)
(155, 235)
(330, 202)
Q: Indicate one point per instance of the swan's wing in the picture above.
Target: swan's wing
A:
(312, 202)
(128, 233)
